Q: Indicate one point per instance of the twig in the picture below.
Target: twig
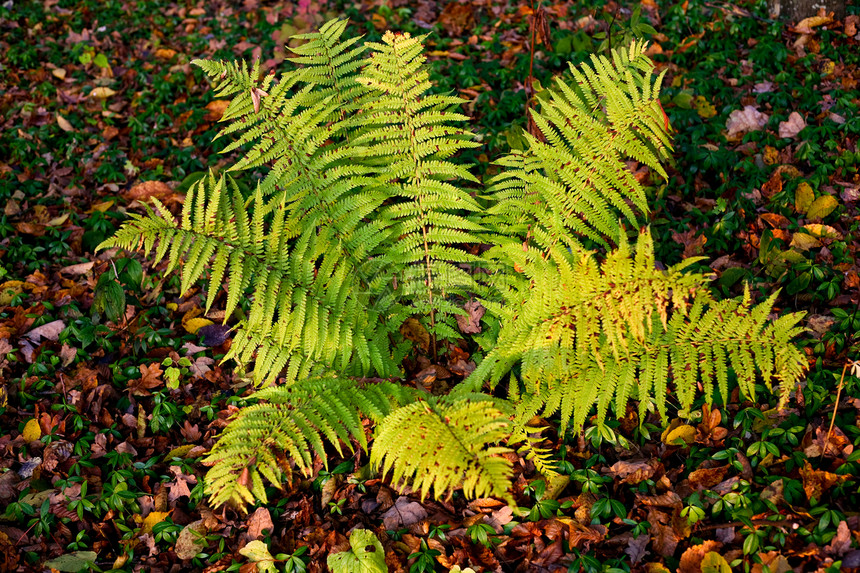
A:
(854, 366)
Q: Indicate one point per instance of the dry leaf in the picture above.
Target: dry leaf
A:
(471, 324)
(151, 520)
(258, 522)
(413, 330)
(632, 472)
(792, 126)
(216, 109)
(256, 94)
(840, 544)
(817, 482)
(806, 25)
(49, 331)
(747, 119)
(102, 93)
(165, 53)
(822, 207)
(143, 191)
(190, 541)
(64, 123)
(32, 431)
(403, 514)
(691, 559)
(150, 378)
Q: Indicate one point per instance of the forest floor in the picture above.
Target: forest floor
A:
(104, 424)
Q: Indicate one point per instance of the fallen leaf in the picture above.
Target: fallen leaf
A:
(102, 93)
(841, 543)
(471, 324)
(190, 541)
(631, 472)
(216, 109)
(413, 330)
(164, 53)
(365, 555)
(636, 548)
(792, 126)
(817, 482)
(258, 552)
(403, 514)
(775, 220)
(693, 557)
(822, 207)
(806, 25)
(745, 120)
(153, 519)
(64, 123)
(804, 242)
(150, 378)
(32, 431)
(72, 562)
(713, 562)
(679, 436)
(59, 73)
(49, 331)
(148, 189)
(194, 324)
(259, 522)
(708, 477)
(803, 197)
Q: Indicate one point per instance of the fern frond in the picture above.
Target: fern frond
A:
(598, 334)
(293, 421)
(576, 185)
(443, 444)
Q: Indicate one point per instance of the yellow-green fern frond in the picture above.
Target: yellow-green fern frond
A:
(443, 444)
(597, 334)
(288, 427)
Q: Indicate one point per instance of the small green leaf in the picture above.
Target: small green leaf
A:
(101, 61)
(366, 555)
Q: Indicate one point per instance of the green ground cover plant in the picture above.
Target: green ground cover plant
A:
(112, 392)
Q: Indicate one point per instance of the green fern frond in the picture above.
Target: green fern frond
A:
(577, 184)
(443, 444)
(289, 426)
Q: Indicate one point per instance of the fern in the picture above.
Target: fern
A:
(407, 136)
(576, 184)
(360, 223)
(591, 334)
(444, 444)
(297, 421)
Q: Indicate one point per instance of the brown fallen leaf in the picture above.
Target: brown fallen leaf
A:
(216, 109)
(631, 472)
(259, 522)
(148, 189)
(471, 324)
(691, 559)
(792, 126)
(150, 378)
(817, 482)
(744, 120)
